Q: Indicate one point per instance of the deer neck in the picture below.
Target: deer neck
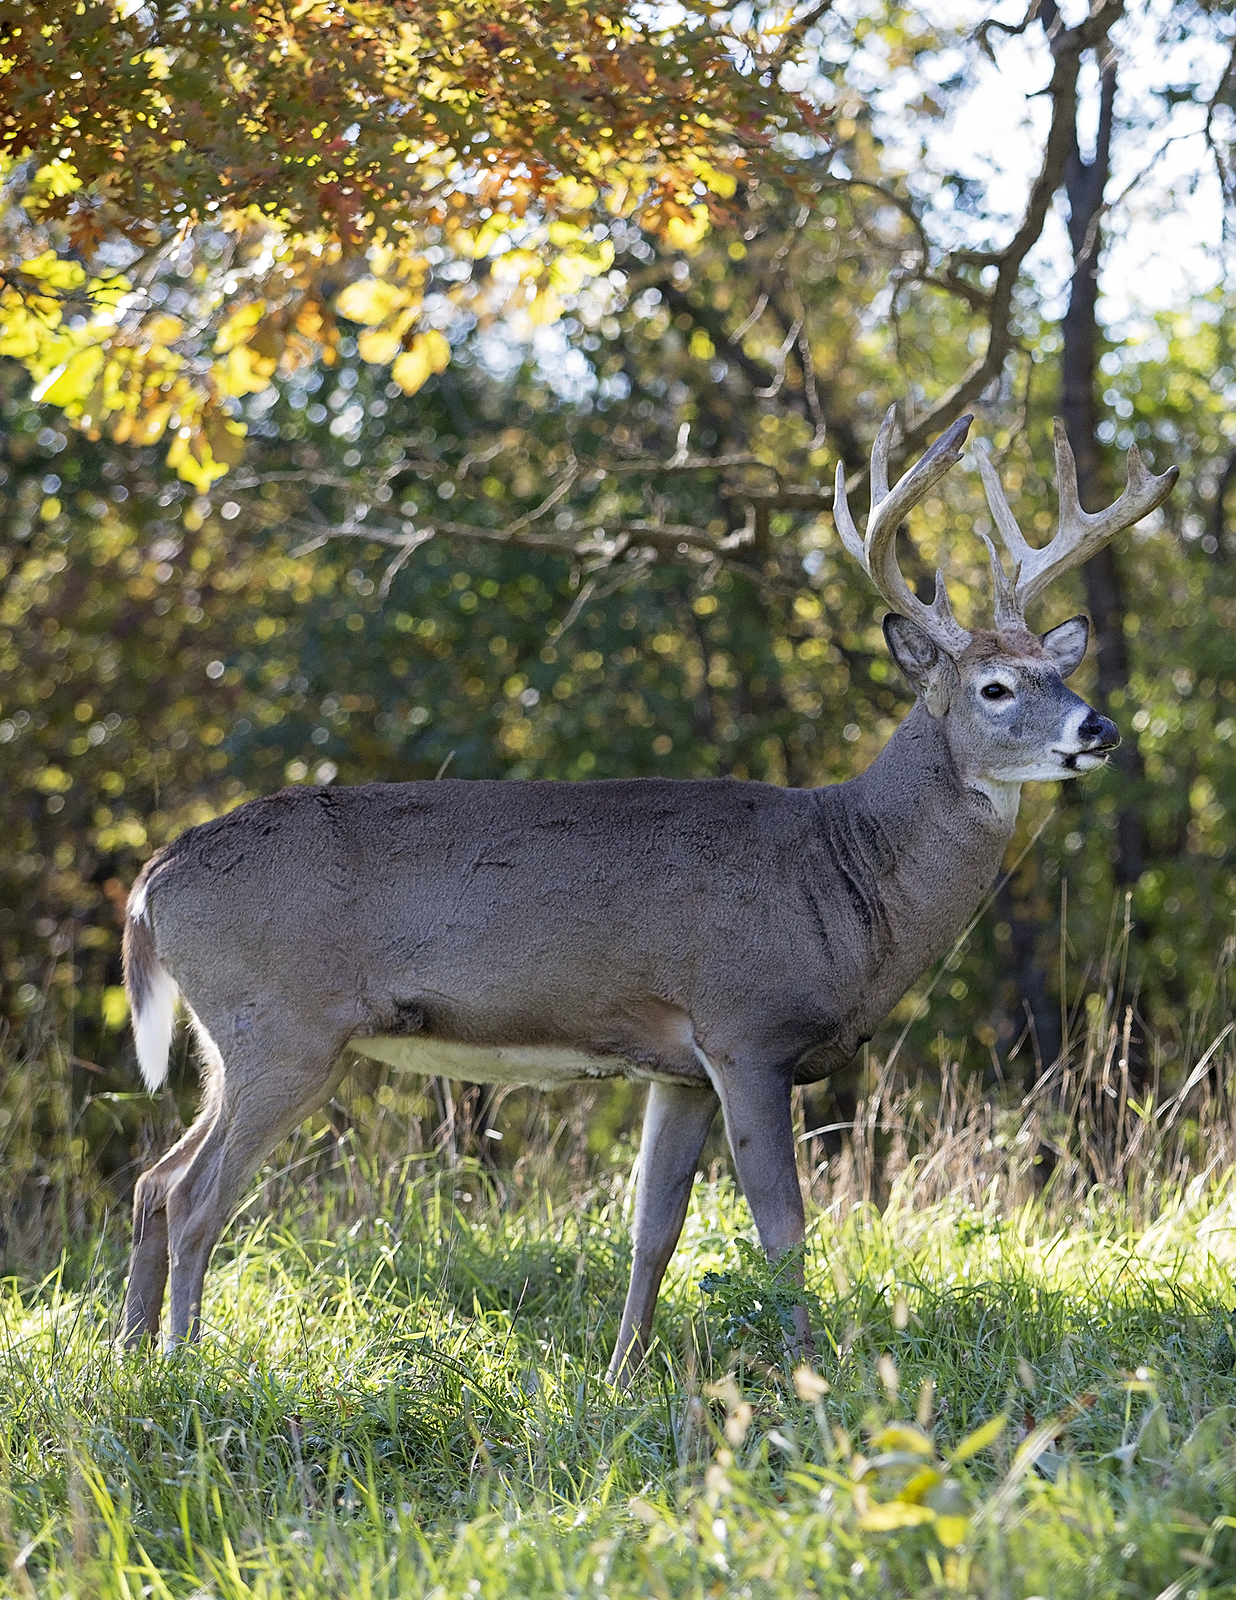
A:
(918, 842)
(915, 782)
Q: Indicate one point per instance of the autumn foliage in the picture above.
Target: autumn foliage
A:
(252, 154)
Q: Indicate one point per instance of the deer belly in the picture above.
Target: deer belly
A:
(537, 1066)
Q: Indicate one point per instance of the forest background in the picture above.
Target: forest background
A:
(387, 390)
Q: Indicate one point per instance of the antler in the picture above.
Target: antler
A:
(877, 552)
(1078, 534)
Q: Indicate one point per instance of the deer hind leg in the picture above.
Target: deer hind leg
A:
(266, 1095)
(676, 1123)
(759, 1126)
(148, 1264)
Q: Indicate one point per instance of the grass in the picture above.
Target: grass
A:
(1025, 1380)
(399, 1395)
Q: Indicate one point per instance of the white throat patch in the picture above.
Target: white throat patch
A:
(1005, 797)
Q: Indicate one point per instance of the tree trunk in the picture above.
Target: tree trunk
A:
(1085, 182)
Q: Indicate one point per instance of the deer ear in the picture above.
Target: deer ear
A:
(929, 672)
(1066, 645)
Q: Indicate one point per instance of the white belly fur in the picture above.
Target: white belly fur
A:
(537, 1066)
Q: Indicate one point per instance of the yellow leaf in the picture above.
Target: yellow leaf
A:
(48, 268)
(566, 235)
(980, 1438)
(244, 371)
(427, 354)
(115, 1007)
(237, 327)
(57, 178)
(379, 345)
(512, 265)
(162, 329)
(491, 232)
(72, 381)
(106, 293)
(681, 235)
(571, 270)
(545, 307)
(900, 1436)
(192, 458)
(371, 300)
(924, 1479)
(884, 1516)
(149, 425)
(722, 183)
(575, 195)
(952, 1531)
(20, 333)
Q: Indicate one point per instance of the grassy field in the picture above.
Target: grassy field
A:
(1019, 1391)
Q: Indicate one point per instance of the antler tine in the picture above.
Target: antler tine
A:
(877, 554)
(879, 457)
(1008, 613)
(1079, 534)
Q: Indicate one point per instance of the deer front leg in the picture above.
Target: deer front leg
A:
(676, 1123)
(760, 1128)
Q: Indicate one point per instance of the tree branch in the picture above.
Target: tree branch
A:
(1068, 45)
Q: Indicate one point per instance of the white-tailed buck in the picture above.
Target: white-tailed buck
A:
(720, 940)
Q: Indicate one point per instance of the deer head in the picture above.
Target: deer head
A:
(1010, 717)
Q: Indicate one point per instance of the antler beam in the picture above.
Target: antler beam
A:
(1079, 534)
(876, 553)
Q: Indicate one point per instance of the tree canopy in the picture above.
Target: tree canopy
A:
(195, 192)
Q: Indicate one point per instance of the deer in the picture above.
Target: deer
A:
(722, 940)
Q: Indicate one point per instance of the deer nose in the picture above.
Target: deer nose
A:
(1101, 732)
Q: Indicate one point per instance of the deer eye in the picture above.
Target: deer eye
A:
(995, 691)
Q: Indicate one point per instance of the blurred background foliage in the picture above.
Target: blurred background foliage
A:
(601, 548)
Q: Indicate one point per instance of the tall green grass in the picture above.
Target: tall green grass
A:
(399, 1393)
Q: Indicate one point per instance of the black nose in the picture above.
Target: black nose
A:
(1102, 733)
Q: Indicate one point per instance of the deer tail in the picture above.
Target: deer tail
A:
(150, 987)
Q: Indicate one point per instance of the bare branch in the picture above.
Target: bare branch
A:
(577, 605)
(551, 500)
(750, 320)
(792, 33)
(807, 361)
(787, 344)
(1011, 30)
(683, 464)
(411, 545)
(1068, 45)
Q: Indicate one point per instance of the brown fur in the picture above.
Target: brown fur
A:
(139, 961)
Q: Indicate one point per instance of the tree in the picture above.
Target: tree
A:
(195, 192)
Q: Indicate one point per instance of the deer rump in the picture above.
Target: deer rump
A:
(536, 933)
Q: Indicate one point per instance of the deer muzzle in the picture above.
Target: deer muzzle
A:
(1101, 735)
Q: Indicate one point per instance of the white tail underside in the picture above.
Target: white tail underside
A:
(153, 1026)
